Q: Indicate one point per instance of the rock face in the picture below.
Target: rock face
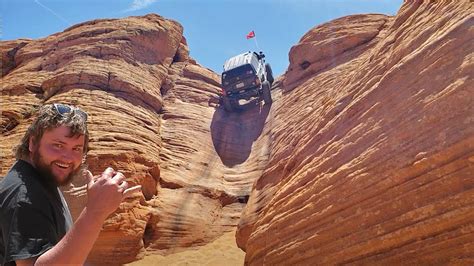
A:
(152, 116)
(366, 155)
(372, 155)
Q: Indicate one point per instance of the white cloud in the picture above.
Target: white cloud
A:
(139, 4)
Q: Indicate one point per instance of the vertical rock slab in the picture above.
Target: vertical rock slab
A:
(372, 150)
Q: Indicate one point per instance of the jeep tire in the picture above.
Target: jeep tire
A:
(267, 96)
(268, 70)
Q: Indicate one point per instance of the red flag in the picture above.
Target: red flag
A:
(250, 35)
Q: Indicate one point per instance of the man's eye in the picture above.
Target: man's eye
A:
(77, 149)
(57, 146)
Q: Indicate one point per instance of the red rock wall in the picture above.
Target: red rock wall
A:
(372, 152)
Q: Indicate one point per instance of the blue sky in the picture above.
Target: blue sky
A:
(215, 29)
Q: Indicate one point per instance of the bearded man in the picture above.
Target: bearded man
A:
(36, 227)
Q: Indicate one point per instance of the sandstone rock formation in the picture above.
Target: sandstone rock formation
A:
(366, 155)
(151, 115)
(372, 155)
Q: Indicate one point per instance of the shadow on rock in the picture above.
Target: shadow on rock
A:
(234, 133)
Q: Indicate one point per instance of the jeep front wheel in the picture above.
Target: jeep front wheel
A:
(268, 70)
(267, 95)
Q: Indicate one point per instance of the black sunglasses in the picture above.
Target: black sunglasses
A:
(66, 109)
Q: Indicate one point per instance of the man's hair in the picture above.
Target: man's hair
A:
(49, 118)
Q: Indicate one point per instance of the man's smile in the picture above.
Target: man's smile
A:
(63, 166)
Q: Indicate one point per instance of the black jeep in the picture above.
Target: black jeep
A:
(246, 76)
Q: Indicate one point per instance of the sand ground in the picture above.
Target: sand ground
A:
(223, 251)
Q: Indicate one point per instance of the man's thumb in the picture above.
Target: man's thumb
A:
(129, 191)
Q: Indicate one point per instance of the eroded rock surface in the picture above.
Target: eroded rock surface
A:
(372, 156)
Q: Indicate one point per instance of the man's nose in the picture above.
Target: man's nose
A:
(67, 156)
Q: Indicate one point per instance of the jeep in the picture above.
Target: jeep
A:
(245, 77)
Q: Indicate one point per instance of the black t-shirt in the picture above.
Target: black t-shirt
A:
(33, 214)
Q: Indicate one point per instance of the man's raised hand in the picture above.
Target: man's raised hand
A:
(106, 191)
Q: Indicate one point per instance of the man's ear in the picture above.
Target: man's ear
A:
(31, 144)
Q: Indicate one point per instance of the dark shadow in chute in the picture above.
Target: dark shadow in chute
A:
(234, 133)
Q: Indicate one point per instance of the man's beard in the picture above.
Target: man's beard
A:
(47, 173)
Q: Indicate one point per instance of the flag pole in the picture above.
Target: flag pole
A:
(256, 43)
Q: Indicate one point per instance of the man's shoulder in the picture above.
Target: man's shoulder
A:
(19, 186)
(12, 187)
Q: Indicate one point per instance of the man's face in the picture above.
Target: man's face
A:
(58, 155)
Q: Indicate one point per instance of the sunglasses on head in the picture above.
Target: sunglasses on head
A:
(63, 109)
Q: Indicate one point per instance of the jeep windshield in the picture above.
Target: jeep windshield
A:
(239, 73)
